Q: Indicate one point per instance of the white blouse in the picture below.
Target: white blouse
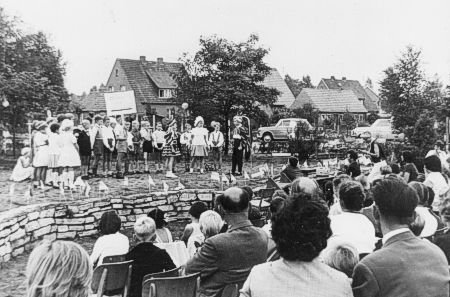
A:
(199, 135)
(109, 245)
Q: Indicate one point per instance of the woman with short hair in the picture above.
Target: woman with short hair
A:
(58, 268)
(300, 230)
(111, 242)
(410, 171)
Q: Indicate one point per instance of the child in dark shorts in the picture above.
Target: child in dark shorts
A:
(158, 144)
(136, 152)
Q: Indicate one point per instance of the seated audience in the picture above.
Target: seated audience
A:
(253, 211)
(342, 257)
(147, 258)
(410, 171)
(111, 242)
(300, 229)
(306, 185)
(337, 181)
(435, 179)
(227, 258)
(442, 236)
(58, 268)
(393, 270)
(192, 235)
(353, 169)
(423, 211)
(163, 234)
(351, 225)
(292, 171)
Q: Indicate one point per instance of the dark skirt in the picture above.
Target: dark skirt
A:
(147, 146)
(98, 147)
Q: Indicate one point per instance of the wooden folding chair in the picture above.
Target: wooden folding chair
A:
(112, 279)
(169, 273)
(114, 259)
(181, 286)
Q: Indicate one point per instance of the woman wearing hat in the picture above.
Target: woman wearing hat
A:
(216, 141)
(199, 144)
(41, 153)
(171, 149)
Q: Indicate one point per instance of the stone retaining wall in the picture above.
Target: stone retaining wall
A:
(21, 228)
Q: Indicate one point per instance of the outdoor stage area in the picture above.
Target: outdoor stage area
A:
(24, 221)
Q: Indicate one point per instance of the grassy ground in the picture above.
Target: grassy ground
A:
(12, 273)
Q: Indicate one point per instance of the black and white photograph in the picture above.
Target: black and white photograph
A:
(251, 148)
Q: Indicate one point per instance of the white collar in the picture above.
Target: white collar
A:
(393, 233)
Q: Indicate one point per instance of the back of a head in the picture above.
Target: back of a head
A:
(301, 229)
(305, 185)
(351, 194)
(109, 223)
(158, 216)
(249, 191)
(385, 170)
(342, 257)
(422, 192)
(59, 268)
(210, 223)
(276, 204)
(395, 168)
(234, 200)
(408, 156)
(197, 209)
(293, 161)
(145, 228)
(338, 180)
(433, 163)
(395, 199)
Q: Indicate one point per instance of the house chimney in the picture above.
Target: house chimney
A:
(142, 59)
(344, 78)
(332, 78)
(159, 61)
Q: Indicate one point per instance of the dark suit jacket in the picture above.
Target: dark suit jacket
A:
(147, 259)
(292, 172)
(227, 258)
(405, 266)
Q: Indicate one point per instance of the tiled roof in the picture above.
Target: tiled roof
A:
(276, 81)
(145, 78)
(94, 101)
(330, 100)
(355, 86)
(373, 96)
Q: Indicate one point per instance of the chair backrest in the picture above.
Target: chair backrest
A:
(182, 286)
(114, 259)
(169, 273)
(266, 193)
(284, 178)
(112, 277)
(231, 290)
(272, 184)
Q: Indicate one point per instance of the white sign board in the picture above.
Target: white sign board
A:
(120, 103)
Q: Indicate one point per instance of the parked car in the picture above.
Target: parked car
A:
(381, 128)
(281, 130)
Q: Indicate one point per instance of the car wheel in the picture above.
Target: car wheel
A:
(267, 137)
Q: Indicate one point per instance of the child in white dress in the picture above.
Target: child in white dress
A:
(23, 169)
(69, 158)
(41, 155)
(199, 144)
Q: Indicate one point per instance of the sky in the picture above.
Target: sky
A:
(357, 39)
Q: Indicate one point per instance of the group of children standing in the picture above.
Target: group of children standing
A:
(58, 147)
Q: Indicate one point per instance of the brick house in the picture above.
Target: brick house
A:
(153, 83)
(352, 85)
(332, 105)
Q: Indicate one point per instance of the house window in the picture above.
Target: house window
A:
(117, 72)
(165, 93)
(123, 88)
(111, 88)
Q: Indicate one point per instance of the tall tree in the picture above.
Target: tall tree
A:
(296, 85)
(224, 78)
(307, 112)
(31, 76)
(402, 91)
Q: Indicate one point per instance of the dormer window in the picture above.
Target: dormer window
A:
(165, 93)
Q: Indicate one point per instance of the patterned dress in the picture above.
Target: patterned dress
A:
(171, 148)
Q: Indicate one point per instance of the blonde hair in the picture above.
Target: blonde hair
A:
(59, 268)
(342, 257)
(144, 228)
(210, 223)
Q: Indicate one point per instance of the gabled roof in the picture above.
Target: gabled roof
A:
(276, 81)
(330, 100)
(146, 77)
(94, 101)
(355, 86)
(373, 96)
